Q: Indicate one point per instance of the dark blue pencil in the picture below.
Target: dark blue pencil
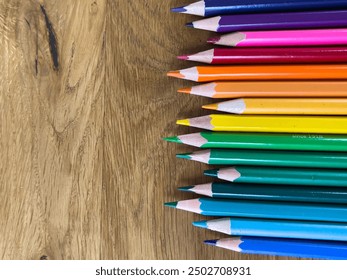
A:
(303, 248)
(210, 8)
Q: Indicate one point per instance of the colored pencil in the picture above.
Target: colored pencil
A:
(270, 192)
(277, 228)
(303, 248)
(268, 141)
(269, 158)
(269, 89)
(280, 38)
(273, 21)
(283, 106)
(260, 123)
(209, 8)
(269, 55)
(281, 175)
(263, 72)
(263, 209)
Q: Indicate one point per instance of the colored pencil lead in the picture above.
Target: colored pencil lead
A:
(200, 224)
(178, 10)
(186, 189)
(184, 156)
(183, 57)
(210, 106)
(184, 90)
(171, 204)
(212, 173)
(189, 24)
(183, 122)
(213, 40)
(211, 242)
(173, 139)
(175, 74)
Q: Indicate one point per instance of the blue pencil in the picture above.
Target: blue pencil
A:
(210, 8)
(263, 209)
(302, 248)
(277, 228)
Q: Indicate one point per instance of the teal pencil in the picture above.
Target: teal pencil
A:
(277, 228)
(263, 209)
(270, 192)
(269, 158)
(281, 175)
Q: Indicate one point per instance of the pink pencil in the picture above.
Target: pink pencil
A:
(314, 37)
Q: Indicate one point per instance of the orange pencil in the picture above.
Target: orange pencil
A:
(263, 72)
(269, 89)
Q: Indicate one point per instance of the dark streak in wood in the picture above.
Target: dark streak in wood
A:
(28, 23)
(36, 65)
(52, 39)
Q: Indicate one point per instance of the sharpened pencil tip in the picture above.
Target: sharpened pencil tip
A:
(171, 204)
(212, 173)
(173, 139)
(183, 122)
(200, 224)
(185, 90)
(211, 242)
(186, 189)
(189, 24)
(213, 40)
(210, 106)
(178, 10)
(175, 74)
(184, 156)
(183, 57)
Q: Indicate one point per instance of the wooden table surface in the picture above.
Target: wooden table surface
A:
(84, 103)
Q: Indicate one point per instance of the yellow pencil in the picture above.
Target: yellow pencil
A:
(282, 106)
(259, 123)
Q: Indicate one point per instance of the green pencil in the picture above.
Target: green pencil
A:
(281, 175)
(270, 192)
(273, 141)
(269, 158)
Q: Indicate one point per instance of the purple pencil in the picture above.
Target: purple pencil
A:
(273, 21)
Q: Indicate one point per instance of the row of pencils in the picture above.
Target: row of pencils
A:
(281, 139)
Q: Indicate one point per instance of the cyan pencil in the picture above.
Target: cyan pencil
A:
(263, 209)
(277, 228)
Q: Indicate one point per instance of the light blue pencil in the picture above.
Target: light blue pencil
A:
(277, 228)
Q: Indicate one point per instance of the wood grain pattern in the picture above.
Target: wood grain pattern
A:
(84, 104)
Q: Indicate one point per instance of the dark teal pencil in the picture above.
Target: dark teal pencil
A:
(270, 192)
(281, 175)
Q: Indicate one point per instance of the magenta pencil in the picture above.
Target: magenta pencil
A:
(270, 55)
(311, 37)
